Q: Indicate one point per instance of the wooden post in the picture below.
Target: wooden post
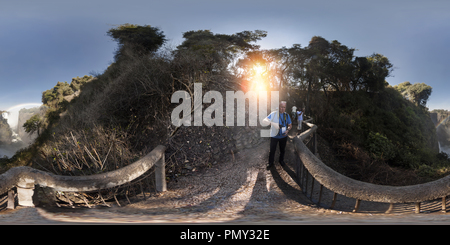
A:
(334, 200)
(417, 209)
(303, 176)
(306, 185)
(391, 207)
(444, 206)
(315, 143)
(160, 174)
(320, 195)
(358, 202)
(298, 168)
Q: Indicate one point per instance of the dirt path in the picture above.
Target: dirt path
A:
(240, 191)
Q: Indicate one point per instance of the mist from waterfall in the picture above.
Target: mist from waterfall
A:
(12, 117)
(445, 149)
(7, 151)
(441, 130)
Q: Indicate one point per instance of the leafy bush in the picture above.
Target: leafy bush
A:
(386, 125)
(380, 146)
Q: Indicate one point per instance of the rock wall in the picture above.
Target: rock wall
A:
(24, 115)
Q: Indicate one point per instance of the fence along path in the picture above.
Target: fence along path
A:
(309, 170)
(24, 178)
(309, 166)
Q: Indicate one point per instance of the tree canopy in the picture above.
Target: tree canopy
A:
(417, 93)
(320, 66)
(216, 51)
(136, 37)
(34, 124)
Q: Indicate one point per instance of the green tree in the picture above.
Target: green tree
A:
(402, 87)
(78, 82)
(48, 96)
(381, 68)
(272, 66)
(34, 124)
(138, 38)
(56, 94)
(214, 52)
(338, 67)
(417, 93)
(332, 66)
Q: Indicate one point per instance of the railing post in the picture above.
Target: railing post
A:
(302, 176)
(160, 174)
(297, 168)
(417, 208)
(315, 143)
(444, 206)
(11, 200)
(358, 203)
(334, 200)
(320, 195)
(391, 207)
(306, 184)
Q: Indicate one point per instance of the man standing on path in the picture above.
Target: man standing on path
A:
(280, 124)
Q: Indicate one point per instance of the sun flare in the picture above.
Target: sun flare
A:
(259, 70)
(258, 81)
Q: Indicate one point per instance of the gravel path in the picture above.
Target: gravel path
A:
(239, 191)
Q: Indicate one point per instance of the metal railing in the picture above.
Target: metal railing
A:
(310, 170)
(24, 179)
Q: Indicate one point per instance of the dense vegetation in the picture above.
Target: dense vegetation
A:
(102, 123)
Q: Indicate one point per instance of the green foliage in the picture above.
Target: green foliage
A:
(49, 96)
(417, 93)
(78, 82)
(54, 96)
(140, 39)
(380, 146)
(332, 66)
(34, 124)
(209, 42)
(216, 51)
(387, 126)
(321, 66)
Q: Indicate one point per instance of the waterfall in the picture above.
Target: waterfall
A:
(445, 149)
(7, 151)
(12, 117)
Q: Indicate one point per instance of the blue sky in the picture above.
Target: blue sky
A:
(43, 42)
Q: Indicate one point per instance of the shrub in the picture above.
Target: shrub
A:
(380, 146)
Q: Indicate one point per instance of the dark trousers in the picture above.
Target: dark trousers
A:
(273, 146)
